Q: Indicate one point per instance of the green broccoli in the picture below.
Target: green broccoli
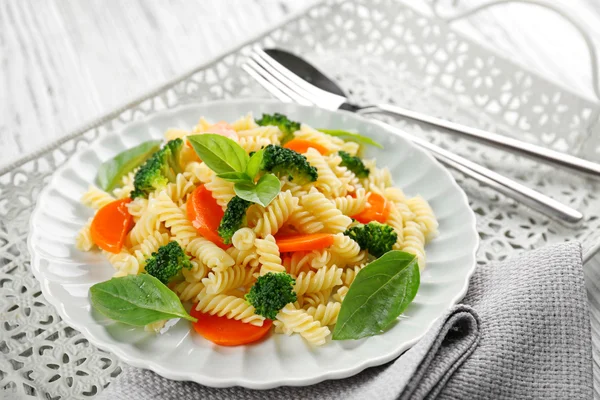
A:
(271, 293)
(354, 164)
(283, 123)
(234, 218)
(161, 168)
(374, 237)
(166, 263)
(286, 162)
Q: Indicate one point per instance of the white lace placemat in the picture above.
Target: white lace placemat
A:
(379, 51)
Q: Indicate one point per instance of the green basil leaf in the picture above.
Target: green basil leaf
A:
(351, 136)
(265, 190)
(220, 153)
(235, 177)
(379, 294)
(254, 164)
(111, 171)
(137, 300)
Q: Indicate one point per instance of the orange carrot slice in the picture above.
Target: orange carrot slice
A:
(378, 209)
(308, 242)
(301, 146)
(111, 224)
(228, 332)
(205, 214)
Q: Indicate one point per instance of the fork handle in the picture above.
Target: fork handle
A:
(493, 139)
(507, 186)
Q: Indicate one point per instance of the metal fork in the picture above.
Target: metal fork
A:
(288, 87)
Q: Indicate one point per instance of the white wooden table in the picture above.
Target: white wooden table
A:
(63, 62)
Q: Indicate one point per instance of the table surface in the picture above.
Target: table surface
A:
(64, 62)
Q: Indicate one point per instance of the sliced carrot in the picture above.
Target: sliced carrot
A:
(228, 332)
(205, 214)
(312, 241)
(111, 224)
(378, 209)
(302, 145)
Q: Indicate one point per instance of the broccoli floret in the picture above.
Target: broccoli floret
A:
(166, 263)
(354, 164)
(374, 237)
(271, 293)
(233, 219)
(286, 162)
(161, 168)
(283, 123)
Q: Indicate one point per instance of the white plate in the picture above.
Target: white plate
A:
(66, 273)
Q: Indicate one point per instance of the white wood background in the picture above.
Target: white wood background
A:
(63, 62)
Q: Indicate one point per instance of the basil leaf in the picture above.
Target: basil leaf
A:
(351, 136)
(379, 294)
(235, 177)
(254, 164)
(265, 190)
(137, 300)
(220, 153)
(111, 171)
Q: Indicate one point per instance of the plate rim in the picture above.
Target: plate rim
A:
(196, 376)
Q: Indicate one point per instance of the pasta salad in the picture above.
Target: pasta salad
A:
(256, 225)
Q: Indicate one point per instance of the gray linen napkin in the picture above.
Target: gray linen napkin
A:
(523, 331)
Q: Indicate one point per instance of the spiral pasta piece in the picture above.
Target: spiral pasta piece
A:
(322, 279)
(137, 207)
(147, 224)
(176, 133)
(198, 271)
(126, 186)
(268, 255)
(327, 182)
(151, 244)
(83, 240)
(270, 133)
(276, 214)
(326, 314)
(424, 216)
(331, 143)
(315, 298)
(321, 207)
(378, 180)
(341, 294)
(298, 321)
(228, 306)
(352, 205)
(96, 198)
(244, 124)
(243, 239)
(180, 188)
(202, 126)
(350, 274)
(221, 190)
(305, 222)
(199, 172)
(395, 221)
(173, 217)
(414, 242)
(302, 261)
(253, 143)
(219, 282)
(124, 263)
(297, 190)
(346, 249)
(209, 254)
(246, 258)
(189, 291)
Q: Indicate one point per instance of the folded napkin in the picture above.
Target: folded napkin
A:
(523, 331)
